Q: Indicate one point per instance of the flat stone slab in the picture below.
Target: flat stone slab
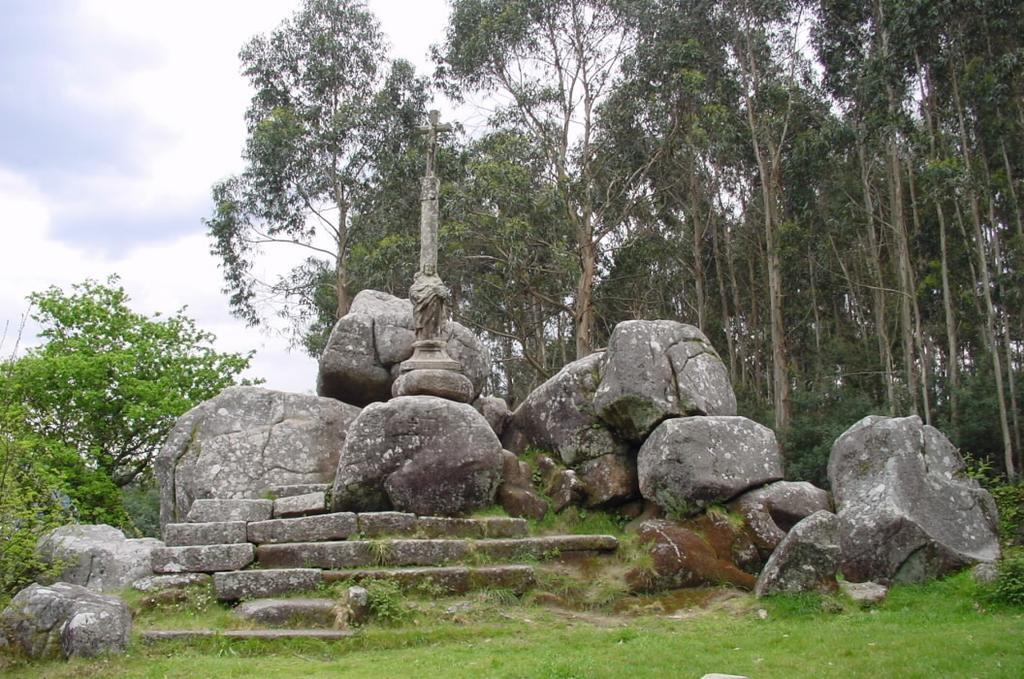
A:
(208, 510)
(256, 584)
(375, 524)
(323, 527)
(213, 533)
(289, 611)
(277, 492)
(401, 552)
(202, 558)
(306, 504)
(167, 634)
(545, 547)
(158, 583)
(386, 524)
(444, 527)
(448, 579)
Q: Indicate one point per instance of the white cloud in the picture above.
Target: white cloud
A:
(172, 70)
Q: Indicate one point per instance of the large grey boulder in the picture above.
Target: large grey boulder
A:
(65, 620)
(691, 462)
(559, 415)
(98, 557)
(771, 511)
(419, 454)
(245, 440)
(660, 369)
(907, 510)
(367, 345)
(806, 560)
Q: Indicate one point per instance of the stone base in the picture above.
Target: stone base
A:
(430, 355)
(447, 384)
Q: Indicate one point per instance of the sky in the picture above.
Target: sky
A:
(116, 117)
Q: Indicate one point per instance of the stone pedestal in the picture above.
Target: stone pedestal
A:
(430, 355)
(431, 372)
(446, 384)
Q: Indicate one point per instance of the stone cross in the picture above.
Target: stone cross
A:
(429, 208)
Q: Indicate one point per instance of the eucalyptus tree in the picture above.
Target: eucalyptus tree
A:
(327, 116)
(549, 64)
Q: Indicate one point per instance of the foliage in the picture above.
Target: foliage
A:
(1009, 585)
(108, 383)
(83, 414)
(31, 503)
(329, 126)
(387, 602)
(142, 504)
(819, 418)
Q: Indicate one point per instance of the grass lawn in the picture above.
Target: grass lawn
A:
(938, 630)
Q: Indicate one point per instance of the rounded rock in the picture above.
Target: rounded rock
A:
(446, 384)
(419, 454)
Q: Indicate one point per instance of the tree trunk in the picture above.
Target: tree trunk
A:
(986, 286)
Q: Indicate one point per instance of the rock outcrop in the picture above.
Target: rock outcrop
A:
(660, 369)
(907, 511)
(97, 557)
(772, 510)
(246, 440)
(418, 454)
(682, 557)
(806, 560)
(691, 462)
(367, 345)
(65, 620)
(559, 416)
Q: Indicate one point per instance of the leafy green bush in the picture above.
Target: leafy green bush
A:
(1009, 499)
(386, 601)
(31, 503)
(1009, 584)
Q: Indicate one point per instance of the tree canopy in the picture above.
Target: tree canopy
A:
(329, 123)
(829, 189)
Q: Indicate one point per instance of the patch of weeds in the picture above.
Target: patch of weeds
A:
(380, 550)
(430, 589)
(720, 513)
(635, 553)
(1009, 585)
(489, 512)
(580, 521)
(386, 602)
(677, 509)
(804, 604)
(501, 596)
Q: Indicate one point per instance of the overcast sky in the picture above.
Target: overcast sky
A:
(116, 117)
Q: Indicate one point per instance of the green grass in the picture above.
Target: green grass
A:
(938, 630)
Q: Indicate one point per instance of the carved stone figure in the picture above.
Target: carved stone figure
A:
(430, 298)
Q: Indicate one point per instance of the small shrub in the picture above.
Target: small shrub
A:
(386, 603)
(1009, 584)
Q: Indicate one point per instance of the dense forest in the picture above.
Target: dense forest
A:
(830, 189)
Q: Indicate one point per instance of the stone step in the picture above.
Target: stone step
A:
(401, 552)
(316, 612)
(306, 504)
(444, 579)
(166, 634)
(210, 533)
(268, 582)
(215, 510)
(380, 524)
(202, 558)
(278, 492)
(337, 526)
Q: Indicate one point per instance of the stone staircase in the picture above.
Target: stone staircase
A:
(257, 549)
